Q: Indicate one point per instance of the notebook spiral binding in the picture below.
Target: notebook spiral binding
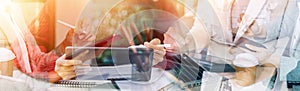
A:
(74, 84)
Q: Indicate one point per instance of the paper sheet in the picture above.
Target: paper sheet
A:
(159, 79)
(104, 72)
(211, 81)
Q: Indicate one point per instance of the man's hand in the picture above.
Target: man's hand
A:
(254, 29)
(176, 40)
(159, 52)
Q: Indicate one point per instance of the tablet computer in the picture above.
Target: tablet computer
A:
(93, 56)
(140, 58)
(118, 55)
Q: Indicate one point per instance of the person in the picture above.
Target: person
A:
(221, 31)
(217, 24)
(154, 15)
(289, 61)
(39, 64)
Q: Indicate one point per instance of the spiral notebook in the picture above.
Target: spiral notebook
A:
(83, 84)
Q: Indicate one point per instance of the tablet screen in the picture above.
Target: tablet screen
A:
(106, 56)
(138, 60)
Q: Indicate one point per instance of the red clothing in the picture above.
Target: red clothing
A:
(41, 63)
(43, 27)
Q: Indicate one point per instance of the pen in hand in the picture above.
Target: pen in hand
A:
(66, 24)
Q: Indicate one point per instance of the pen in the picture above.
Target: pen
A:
(242, 30)
(135, 29)
(66, 24)
(117, 79)
(160, 45)
(164, 45)
(70, 26)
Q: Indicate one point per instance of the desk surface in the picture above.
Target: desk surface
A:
(160, 80)
(169, 81)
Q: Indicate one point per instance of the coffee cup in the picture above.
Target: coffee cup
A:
(6, 62)
(245, 65)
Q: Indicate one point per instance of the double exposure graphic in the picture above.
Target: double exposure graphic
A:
(149, 45)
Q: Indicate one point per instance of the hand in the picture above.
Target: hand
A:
(66, 68)
(75, 39)
(159, 52)
(173, 38)
(260, 53)
(256, 31)
(85, 32)
(179, 42)
(79, 38)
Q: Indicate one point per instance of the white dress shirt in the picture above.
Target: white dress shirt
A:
(289, 62)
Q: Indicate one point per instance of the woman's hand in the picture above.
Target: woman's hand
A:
(66, 68)
(74, 39)
(79, 38)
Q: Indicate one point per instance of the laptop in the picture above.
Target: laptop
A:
(190, 68)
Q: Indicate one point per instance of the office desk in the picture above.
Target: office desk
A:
(160, 80)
